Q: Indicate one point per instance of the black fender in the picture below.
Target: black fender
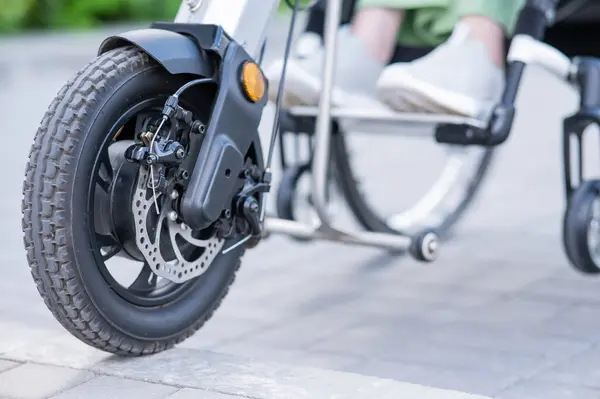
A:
(176, 52)
(232, 133)
(231, 137)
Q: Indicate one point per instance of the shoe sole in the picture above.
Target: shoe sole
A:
(427, 97)
(303, 89)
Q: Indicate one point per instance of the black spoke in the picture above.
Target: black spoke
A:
(105, 173)
(145, 281)
(110, 244)
(105, 164)
(104, 185)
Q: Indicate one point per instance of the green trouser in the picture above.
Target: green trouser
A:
(430, 22)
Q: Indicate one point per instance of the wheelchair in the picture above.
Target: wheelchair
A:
(439, 210)
(151, 155)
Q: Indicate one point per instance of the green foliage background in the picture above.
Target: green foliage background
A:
(17, 15)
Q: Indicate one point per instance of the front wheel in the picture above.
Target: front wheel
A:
(86, 206)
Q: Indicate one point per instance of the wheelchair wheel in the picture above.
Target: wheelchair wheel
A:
(294, 201)
(581, 228)
(438, 210)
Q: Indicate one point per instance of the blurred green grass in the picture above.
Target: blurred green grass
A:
(19, 15)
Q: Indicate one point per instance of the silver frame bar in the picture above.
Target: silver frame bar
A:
(523, 49)
(385, 115)
(384, 121)
(326, 230)
(247, 22)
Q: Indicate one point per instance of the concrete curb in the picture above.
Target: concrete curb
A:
(226, 374)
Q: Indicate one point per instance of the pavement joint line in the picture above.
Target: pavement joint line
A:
(88, 369)
(98, 373)
(83, 381)
(120, 374)
(546, 367)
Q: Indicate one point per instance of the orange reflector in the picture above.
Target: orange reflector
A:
(253, 81)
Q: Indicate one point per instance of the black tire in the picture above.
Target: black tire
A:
(55, 217)
(369, 217)
(576, 223)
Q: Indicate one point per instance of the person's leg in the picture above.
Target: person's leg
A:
(463, 75)
(377, 27)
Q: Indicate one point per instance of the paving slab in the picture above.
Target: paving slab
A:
(106, 387)
(163, 374)
(36, 381)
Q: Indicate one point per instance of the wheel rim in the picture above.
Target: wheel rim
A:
(446, 194)
(439, 208)
(593, 232)
(147, 290)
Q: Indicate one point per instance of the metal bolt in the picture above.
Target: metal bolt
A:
(172, 216)
(179, 153)
(151, 158)
(184, 174)
(183, 226)
(227, 213)
(174, 194)
(433, 247)
(430, 246)
(254, 207)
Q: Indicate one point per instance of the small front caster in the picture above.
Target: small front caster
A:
(425, 246)
(581, 228)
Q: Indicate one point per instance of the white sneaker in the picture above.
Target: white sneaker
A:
(458, 77)
(307, 44)
(355, 75)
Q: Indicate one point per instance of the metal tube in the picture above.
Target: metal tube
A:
(303, 230)
(320, 164)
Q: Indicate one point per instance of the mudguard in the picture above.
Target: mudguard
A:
(176, 52)
(231, 137)
(232, 132)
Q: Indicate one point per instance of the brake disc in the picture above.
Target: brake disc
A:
(179, 269)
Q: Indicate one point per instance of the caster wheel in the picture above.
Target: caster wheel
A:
(581, 228)
(286, 201)
(425, 246)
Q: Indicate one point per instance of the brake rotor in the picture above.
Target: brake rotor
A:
(177, 267)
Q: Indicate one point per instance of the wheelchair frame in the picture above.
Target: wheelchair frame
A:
(526, 48)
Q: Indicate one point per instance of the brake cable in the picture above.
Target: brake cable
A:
(296, 8)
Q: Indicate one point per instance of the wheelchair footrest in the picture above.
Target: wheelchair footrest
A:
(462, 134)
(382, 120)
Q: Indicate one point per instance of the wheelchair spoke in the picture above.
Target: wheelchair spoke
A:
(145, 281)
(111, 246)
